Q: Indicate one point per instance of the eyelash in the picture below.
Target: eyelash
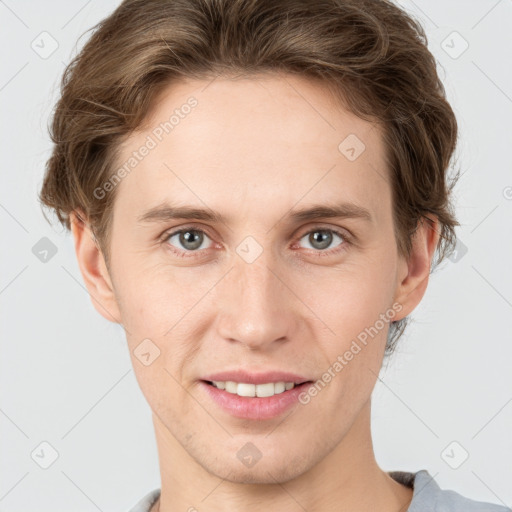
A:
(347, 240)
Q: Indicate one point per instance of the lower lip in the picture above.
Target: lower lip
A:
(255, 408)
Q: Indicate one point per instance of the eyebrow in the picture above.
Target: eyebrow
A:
(165, 212)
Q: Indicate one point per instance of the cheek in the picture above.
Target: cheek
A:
(149, 298)
(354, 340)
(161, 309)
(352, 298)
(349, 303)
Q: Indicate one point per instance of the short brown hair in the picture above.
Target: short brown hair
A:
(371, 54)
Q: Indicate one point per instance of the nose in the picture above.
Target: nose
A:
(255, 306)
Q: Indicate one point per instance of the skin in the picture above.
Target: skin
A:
(253, 149)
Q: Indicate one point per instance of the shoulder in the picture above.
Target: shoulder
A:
(145, 504)
(427, 495)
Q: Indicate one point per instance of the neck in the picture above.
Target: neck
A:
(347, 479)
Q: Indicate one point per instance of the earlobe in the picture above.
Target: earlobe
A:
(93, 269)
(417, 267)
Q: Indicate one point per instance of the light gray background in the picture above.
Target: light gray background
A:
(65, 374)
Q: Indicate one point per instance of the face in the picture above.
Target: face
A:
(255, 287)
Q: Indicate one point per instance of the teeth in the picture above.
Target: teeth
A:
(252, 390)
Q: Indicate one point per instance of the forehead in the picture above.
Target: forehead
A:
(263, 142)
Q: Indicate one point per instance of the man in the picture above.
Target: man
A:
(257, 191)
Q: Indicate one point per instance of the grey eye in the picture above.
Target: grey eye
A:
(189, 239)
(321, 239)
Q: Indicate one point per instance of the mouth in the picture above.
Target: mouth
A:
(249, 390)
(258, 402)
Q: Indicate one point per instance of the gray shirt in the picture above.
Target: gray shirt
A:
(427, 496)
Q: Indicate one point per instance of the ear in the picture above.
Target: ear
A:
(93, 268)
(414, 271)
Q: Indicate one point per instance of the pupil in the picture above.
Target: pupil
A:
(185, 239)
(325, 238)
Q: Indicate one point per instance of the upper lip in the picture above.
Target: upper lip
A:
(255, 378)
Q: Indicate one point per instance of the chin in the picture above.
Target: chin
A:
(263, 472)
(272, 474)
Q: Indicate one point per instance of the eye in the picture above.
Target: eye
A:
(187, 240)
(321, 238)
